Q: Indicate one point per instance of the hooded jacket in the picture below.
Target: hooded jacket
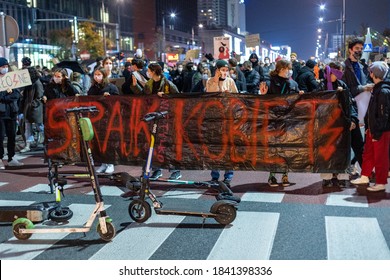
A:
(306, 80)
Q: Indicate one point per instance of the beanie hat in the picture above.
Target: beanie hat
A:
(293, 54)
(26, 61)
(379, 69)
(221, 63)
(3, 61)
(311, 63)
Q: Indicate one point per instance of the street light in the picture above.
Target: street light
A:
(172, 15)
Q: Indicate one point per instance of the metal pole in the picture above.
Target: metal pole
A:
(3, 37)
(344, 35)
(163, 40)
(104, 30)
(118, 26)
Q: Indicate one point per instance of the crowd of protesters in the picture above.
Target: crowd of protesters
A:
(283, 76)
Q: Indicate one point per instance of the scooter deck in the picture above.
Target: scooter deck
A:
(36, 213)
(184, 213)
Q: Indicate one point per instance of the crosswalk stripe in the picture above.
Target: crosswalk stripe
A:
(237, 242)
(263, 197)
(139, 241)
(351, 238)
(15, 203)
(184, 193)
(346, 200)
(3, 183)
(42, 188)
(15, 249)
(108, 191)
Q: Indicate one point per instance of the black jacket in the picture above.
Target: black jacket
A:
(280, 85)
(355, 86)
(252, 81)
(306, 80)
(9, 104)
(53, 90)
(97, 89)
(377, 118)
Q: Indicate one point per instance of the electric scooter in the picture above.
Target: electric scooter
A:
(223, 211)
(23, 228)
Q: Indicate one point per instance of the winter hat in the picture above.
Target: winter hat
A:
(311, 63)
(221, 63)
(293, 54)
(3, 61)
(26, 61)
(379, 69)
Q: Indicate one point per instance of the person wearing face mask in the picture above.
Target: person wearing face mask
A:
(107, 64)
(59, 86)
(102, 86)
(377, 131)
(280, 83)
(252, 78)
(332, 81)
(240, 79)
(178, 76)
(221, 82)
(267, 68)
(201, 85)
(197, 77)
(306, 78)
(241, 86)
(356, 81)
(8, 115)
(160, 86)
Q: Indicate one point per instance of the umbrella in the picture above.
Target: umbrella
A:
(72, 65)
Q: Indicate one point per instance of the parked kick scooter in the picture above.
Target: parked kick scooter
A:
(23, 228)
(223, 211)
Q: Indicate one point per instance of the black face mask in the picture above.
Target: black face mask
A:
(357, 55)
(221, 79)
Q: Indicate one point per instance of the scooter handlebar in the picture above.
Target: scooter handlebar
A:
(82, 109)
(154, 116)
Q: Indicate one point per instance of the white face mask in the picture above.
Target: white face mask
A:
(57, 80)
(290, 73)
(266, 61)
(98, 78)
(180, 69)
(233, 76)
(205, 76)
(4, 71)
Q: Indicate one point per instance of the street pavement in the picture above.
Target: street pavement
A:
(299, 222)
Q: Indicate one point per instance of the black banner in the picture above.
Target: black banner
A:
(301, 133)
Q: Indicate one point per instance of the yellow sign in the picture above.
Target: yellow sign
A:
(15, 79)
(173, 57)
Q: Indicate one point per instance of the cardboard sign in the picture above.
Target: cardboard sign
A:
(15, 79)
(222, 47)
(252, 41)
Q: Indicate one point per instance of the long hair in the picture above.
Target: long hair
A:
(281, 64)
(64, 76)
(105, 80)
(155, 68)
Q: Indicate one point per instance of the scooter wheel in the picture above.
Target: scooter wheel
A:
(140, 211)
(226, 214)
(22, 223)
(110, 234)
(61, 214)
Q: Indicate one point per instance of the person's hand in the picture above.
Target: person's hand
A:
(106, 94)
(368, 87)
(44, 99)
(161, 94)
(263, 88)
(9, 91)
(301, 92)
(340, 89)
(77, 94)
(353, 126)
(134, 80)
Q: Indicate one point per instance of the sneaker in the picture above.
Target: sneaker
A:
(272, 182)
(156, 174)
(377, 188)
(14, 163)
(109, 169)
(285, 182)
(327, 183)
(25, 149)
(363, 180)
(2, 164)
(175, 175)
(102, 168)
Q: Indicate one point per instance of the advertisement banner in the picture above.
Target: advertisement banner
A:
(301, 133)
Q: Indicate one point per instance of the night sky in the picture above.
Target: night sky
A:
(295, 22)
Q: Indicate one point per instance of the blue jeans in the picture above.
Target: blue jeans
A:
(227, 176)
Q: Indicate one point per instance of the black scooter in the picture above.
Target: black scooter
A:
(223, 211)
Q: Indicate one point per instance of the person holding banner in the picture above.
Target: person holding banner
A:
(59, 86)
(8, 114)
(102, 86)
(280, 83)
(377, 125)
(221, 82)
(157, 84)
